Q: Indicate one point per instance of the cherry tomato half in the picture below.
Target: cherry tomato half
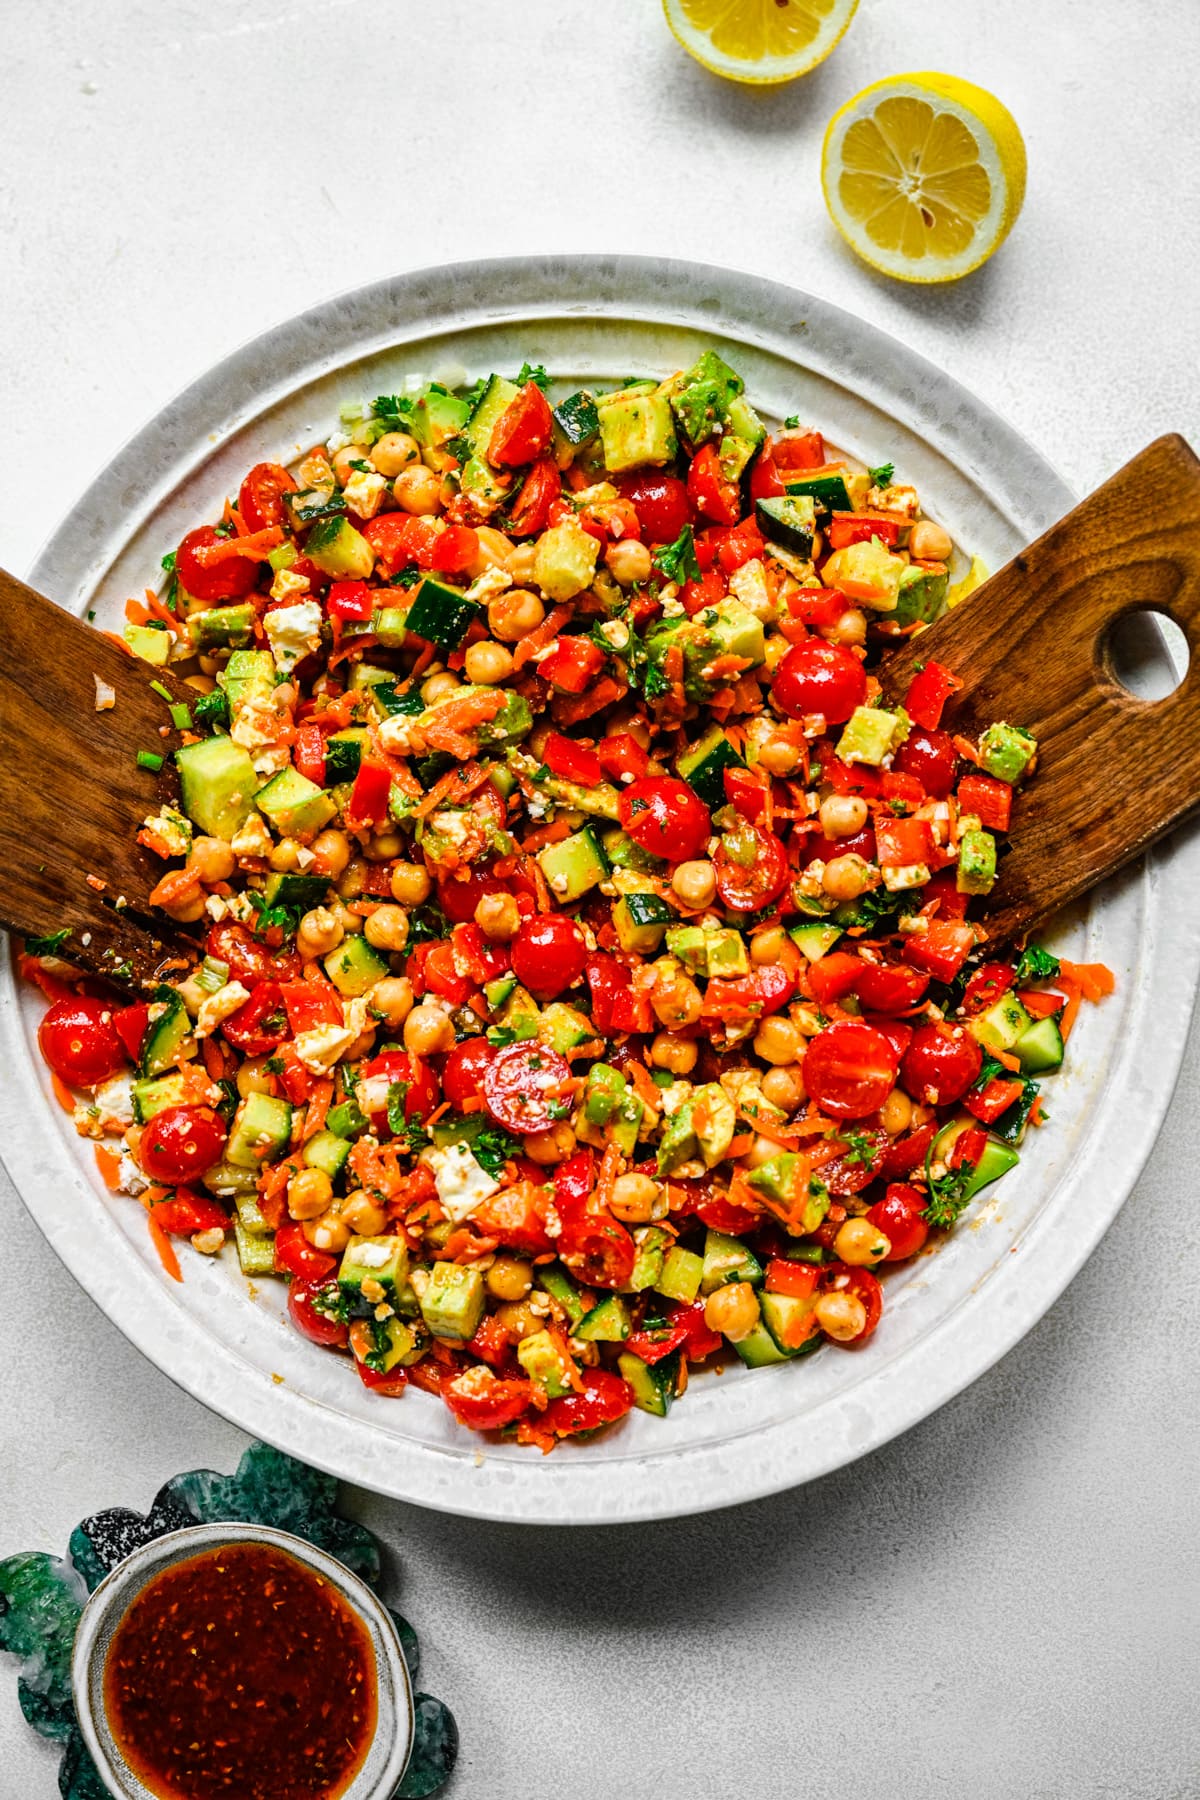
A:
(849, 1070)
(249, 959)
(260, 498)
(307, 1303)
(899, 1216)
(184, 1212)
(890, 987)
(397, 1065)
(521, 1084)
(458, 899)
(819, 677)
(940, 1064)
(78, 1039)
(931, 757)
(227, 580)
(857, 1169)
(665, 817)
(548, 955)
(598, 1249)
(660, 502)
(260, 1024)
(752, 868)
(181, 1143)
(605, 1397)
(294, 1255)
(484, 1401)
(463, 1071)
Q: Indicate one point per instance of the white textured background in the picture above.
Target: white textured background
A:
(1004, 1603)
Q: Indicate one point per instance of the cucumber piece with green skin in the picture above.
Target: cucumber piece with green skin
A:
(222, 628)
(248, 677)
(651, 1242)
(640, 920)
(482, 486)
(300, 891)
(216, 784)
(151, 1097)
(726, 1259)
(815, 940)
(636, 428)
(703, 764)
(256, 1254)
(573, 866)
(653, 1384)
(759, 1350)
(453, 1300)
(682, 1272)
(164, 1035)
(790, 520)
(344, 754)
(226, 1179)
(791, 1321)
(498, 991)
(250, 1215)
(389, 1343)
(607, 1323)
(623, 853)
(1001, 1025)
(262, 1130)
(442, 615)
(494, 401)
(554, 1280)
(354, 967)
(1040, 1047)
(703, 396)
(544, 1362)
(295, 806)
(346, 1119)
(390, 626)
(996, 1160)
(382, 1260)
(1010, 1126)
(831, 493)
(577, 417)
(745, 422)
(327, 1152)
(626, 1127)
(339, 550)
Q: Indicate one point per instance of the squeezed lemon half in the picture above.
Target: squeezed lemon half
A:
(924, 175)
(759, 41)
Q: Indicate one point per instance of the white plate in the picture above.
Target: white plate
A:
(740, 1434)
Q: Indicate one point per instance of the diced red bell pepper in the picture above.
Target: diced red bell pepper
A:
(746, 793)
(530, 512)
(455, 550)
(309, 1004)
(631, 1012)
(739, 544)
(818, 608)
(900, 843)
(606, 978)
(130, 1023)
(944, 889)
(700, 1340)
(942, 950)
(833, 976)
(523, 431)
(574, 762)
(765, 482)
(987, 985)
(349, 600)
(293, 1077)
(621, 756)
(572, 665)
(308, 753)
(491, 1343)
(401, 538)
(708, 490)
(797, 1279)
(850, 778)
(369, 795)
(654, 1343)
(991, 799)
(475, 957)
(750, 996)
(904, 788)
(800, 450)
(574, 1180)
(928, 692)
(994, 1099)
(573, 709)
(442, 975)
(859, 527)
(968, 1148)
(697, 595)
(187, 1212)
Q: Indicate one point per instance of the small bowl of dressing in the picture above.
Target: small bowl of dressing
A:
(235, 1662)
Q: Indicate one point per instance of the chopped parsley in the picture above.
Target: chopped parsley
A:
(393, 410)
(948, 1197)
(474, 395)
(212, 708)
(494, 1147)
(533, 372)
(883, 475)
(47, 946)
(861, 1149)
(678, 560)
(1037, 964)
(792, 422)
(285, 917)
(655, 683)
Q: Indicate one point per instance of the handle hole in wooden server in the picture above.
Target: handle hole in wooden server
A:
(1147, 654)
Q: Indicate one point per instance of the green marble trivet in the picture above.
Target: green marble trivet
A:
(41, 1598)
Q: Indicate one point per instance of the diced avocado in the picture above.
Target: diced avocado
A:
(745, 422)
(248, 678)
(727, 954)
(565, 560)
(164, 1035)
(577, 417)
(623, 853)
(256, 1255)
(482, 485)
(921, 597)
(815, 940)
(151, 642)
(870, 572)
(636, 428)
(441, 614)
(339, 550)
(385, 1344)
(453, 1300)
(495, 400)
(602, 802)
(1005, 752)
(562, 1027)
(1040, 1047)
(302, 891)
(573, 865)
(607, 1323)
(390, 625)
(678, 1142)
(639, 921)
(295, 806)
(834, 490)
(690, 944)
(702, 397)
(727, 1260)
(726, 629)
(216, 785)
(262, 1130)
(651, 1241)
(326, 1151)
(653, 1384)
(976, 863)
(871, 733)
(714, 1121)
(497, 992)
(625, 1129)
(222, 627)
(777, 1177)
(373, 1273)
(250, 1215)
(437, 416)
(520, 1013)
(354, 966)
(554, 1279)
(513, 722)
(759, 1349)
(789, 520)
(381, 684)
(791, 1321)
(344, 754)
(150, 1097)
(603, 1093)
(1001, 1025)
(544, 1362)
(347, 1119)
(681, 1275)
(703, 764)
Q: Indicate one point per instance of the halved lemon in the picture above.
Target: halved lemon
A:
(924, 175)
(759, 41)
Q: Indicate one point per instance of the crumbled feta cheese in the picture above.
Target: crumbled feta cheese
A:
(364, 493)
(615, 632)
(462, 1184)
(338, 441)
(115, 1101)
(252, 838)
(288, 581)
(293, 632)
(675, 1096)
(672, 608)
(370, 1255)
(454, 825)
(215, 907)
(218, 1006)
(485, 587)
(371, 1094)
(130, 1179)
(393, 734)
(320, 1048)
(172, 833)
(912, 875)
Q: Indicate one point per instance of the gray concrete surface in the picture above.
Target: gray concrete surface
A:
(1003, 1603)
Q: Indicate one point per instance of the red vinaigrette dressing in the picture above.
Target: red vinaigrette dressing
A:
(240, 1674)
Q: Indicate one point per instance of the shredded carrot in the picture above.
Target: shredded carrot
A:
(1071, 1010)
(62, 1093)
(966, 748)
(109, 1165)
(1035, 1112)
(610, 1168)
(257, 545)
(114, 637)
(542, 635)
(644, 1087)
(135, 613)
(353, 650)
(318, 1106)
(165, 1248)
(1007, 1060)
(157, 609)
(214, 1058)
(1094, 980)
(472, 1105)
(454, 786)
(437, 1113)
(545, 834)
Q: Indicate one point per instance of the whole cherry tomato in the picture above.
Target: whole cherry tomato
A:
(463, 1070)
(181, 1143)
(940, 1064)
(849, 1070)
(752, 868)
(78, 1039)
(484, 1401)
(899, 1216)
(890, 987)
(310, 1304)
(819, 677)
(294, 1255)
(665, 817)
(605, 1397)
(249, 959)
(931, 757)
(660, 502)
(229, 579)
(548, 955)
(260, 498)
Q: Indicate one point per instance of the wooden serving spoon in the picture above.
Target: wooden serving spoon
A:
(1031, 646)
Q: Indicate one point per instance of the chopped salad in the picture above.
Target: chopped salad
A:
(587, 986)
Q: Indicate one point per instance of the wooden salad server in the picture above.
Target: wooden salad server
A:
(1031, 646)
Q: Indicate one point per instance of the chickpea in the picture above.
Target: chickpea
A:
(842, 815)
(362, 1215)
(394, 451)
(895, 1115)
(678, 1054)
(187, 908)
(387, 928)
(928, 542)
(329, 1232)
(498, 917)
(488, 664)
(208, 1242)
(778, 756)
(494, 549)
(638, 1198)
(212, 859)
(774, 651)
(520, 563)
(309, 1193)
(427, 1030)
(318, 933)
(209, 665)
(332, 852)
(695, 883)
(861, 1244)
(628, 562)
(253, 1077)
(514, 615)
(439, 687)
(343, 461)
(203, 684)
(392, 1000)
(851, 628)
(285, 855)
(509, 1278)
(418, 490)
(383, 846)
(552, 1146)
(762, 1150)
(733, 1311)
(784, 1086)
(768, 947)
(353, 879)
(840, 1315)
(846, 877)
(518, 1318)
(677, 1001)
(411, 885)
(777, 1041)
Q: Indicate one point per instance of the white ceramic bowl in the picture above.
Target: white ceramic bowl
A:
(739, 1434)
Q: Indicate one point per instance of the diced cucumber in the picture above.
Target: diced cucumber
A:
(815, 940)
(835, 491)
(256, 1254)
(564, 1027)
(573, 866)
(653, 1384)
(636, 428)
(759, 1349)
(327, 1152)
(262, 1129)
(702, 397)
(495, 400)
(354, 966)
(453, 1300)
(437, 416)
(703, 764)
(791, 1321)
(380, 1264)
(339, 550)
(385, 1344)
(151, 1097)
(442, 615)
(344, 753)
(300, 891)
(577, 418)
(248, 676)
(651, 1241)
(607, 1323)
(295, 806)
(1040, 1047)
(390, 625)
(565, 560)
(250, 1214)
(222, 628)
(554, 1279)
(790, 520)
(682, 1272)
(216, 784)
(639, 921)
(544, 1362)
(164, 1035)
(1001, 1025)
(727, 1260)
